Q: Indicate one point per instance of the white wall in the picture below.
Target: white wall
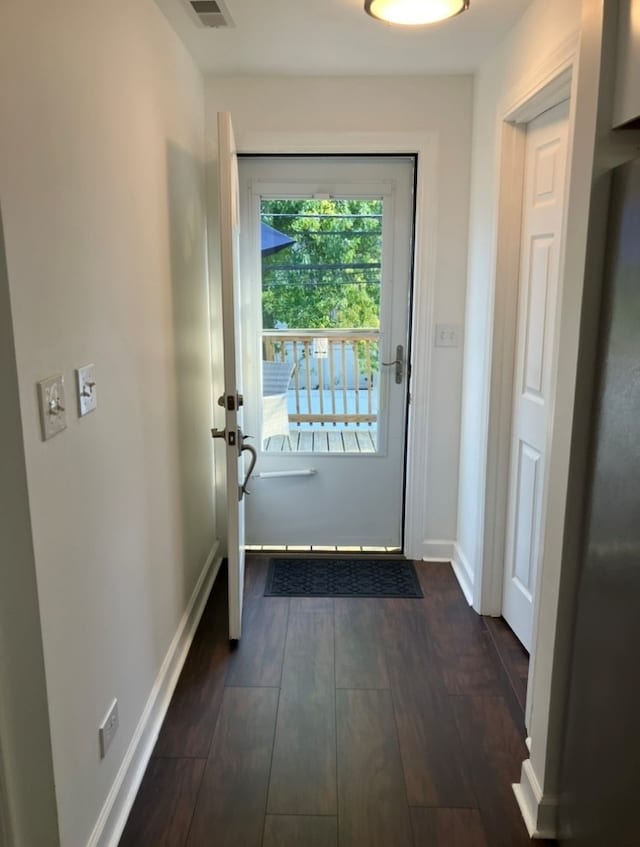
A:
(544, 26)
(101, 178)
(440, 105)
(27, 796)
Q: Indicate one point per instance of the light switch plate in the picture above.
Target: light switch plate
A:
(447, 335)
(86, 385)
(53, 415)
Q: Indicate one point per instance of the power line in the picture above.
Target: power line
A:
(356, 266)
(317, 217)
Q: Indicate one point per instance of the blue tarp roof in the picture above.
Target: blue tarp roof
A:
(272, 240)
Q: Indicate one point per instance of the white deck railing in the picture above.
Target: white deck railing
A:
(334, 375)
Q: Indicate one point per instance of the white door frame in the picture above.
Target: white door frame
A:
(513, 121)
(339, 521)
(425, 147)
(553, 82)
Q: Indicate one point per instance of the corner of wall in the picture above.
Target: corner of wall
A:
(28, 814)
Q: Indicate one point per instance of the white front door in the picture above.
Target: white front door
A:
(326, 316)
(231, 437)
(544, 181)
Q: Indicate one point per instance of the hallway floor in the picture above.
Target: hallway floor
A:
(351, 722)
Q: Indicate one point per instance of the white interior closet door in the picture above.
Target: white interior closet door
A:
(546, 155)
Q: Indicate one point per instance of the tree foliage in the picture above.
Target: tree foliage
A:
(330, 276)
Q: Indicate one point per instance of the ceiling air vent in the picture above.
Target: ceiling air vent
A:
(211, 13)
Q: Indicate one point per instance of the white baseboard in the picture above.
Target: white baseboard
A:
(464, 573)
(114, 814)
(540, 813)
(449, 551)
(436, 550)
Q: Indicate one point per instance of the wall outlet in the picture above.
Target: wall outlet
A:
(447, 335)
(108, 728)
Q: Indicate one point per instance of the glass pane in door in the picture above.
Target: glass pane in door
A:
(321, 284)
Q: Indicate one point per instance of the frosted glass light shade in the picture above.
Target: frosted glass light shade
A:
(414, 12)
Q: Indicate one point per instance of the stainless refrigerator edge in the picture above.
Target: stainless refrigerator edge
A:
(600, 798)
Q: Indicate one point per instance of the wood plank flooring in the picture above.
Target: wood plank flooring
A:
(358, 723)
(514, 658)
(303, 768)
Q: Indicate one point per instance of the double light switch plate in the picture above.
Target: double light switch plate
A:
(53, 413)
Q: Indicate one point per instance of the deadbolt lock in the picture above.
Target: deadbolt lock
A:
(231, 402)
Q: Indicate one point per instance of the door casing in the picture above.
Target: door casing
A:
(488, 594)
(424, 147)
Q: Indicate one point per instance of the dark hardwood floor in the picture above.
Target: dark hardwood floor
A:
(359, 723)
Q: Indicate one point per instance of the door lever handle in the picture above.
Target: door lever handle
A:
(229, 437)
(398, 362)
(254, 458)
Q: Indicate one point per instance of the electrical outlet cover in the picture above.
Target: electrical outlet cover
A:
(53, 415)
(108, 728)
(86, 386)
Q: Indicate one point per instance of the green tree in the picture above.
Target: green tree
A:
(330, 276)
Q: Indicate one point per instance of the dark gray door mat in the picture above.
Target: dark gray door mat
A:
(341, 577)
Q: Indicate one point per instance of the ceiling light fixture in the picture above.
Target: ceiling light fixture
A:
(414, 12)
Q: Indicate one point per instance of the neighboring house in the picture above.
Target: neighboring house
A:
(108, 255)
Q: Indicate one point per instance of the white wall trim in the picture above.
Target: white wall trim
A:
(464, 573)
(539, 812)
(549, 95)
(499, 399)
(436, 550)
(425, 146)
(545, 87)
(113, 817)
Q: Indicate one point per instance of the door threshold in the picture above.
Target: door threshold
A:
(318, 548)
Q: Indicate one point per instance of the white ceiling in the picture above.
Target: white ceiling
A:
(336, 38)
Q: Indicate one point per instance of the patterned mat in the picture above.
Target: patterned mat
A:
(341, 577)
